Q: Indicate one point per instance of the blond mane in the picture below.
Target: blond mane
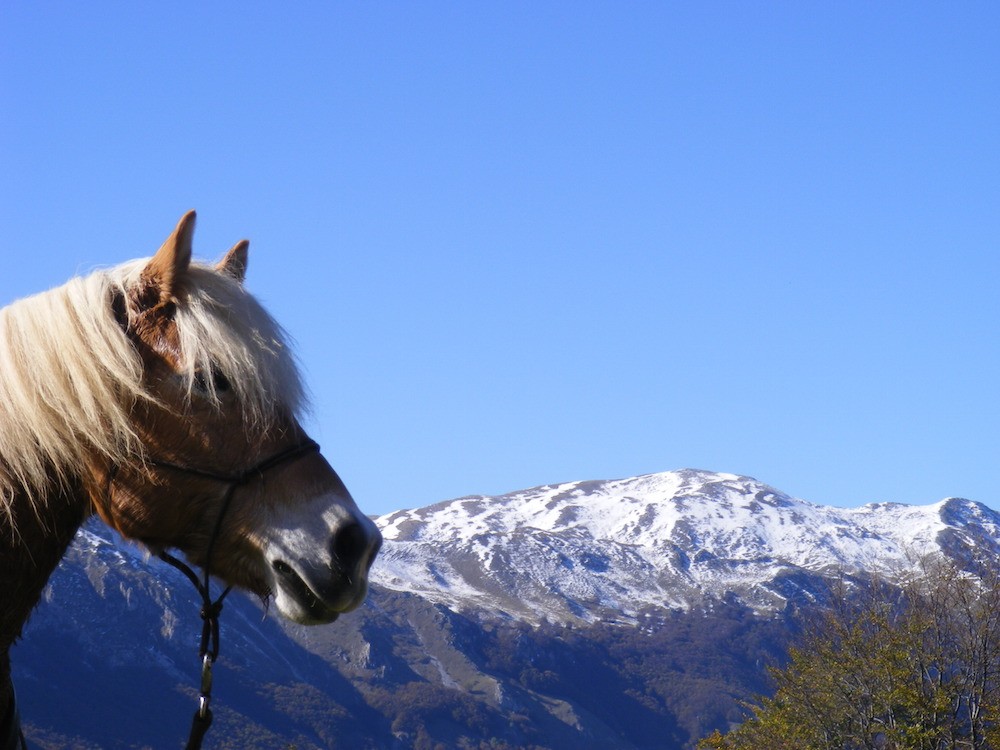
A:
(70, 377)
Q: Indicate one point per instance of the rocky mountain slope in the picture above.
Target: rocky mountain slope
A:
(633, 613)
(604, 550)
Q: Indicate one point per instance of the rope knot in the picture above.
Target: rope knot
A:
(211, 610)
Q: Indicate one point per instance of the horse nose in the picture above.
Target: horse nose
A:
(356, 543)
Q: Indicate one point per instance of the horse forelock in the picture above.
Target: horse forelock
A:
(70, 378)
(221, 328)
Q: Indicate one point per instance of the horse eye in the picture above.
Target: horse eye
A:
(220, 381)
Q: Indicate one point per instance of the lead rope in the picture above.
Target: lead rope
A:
(208, 650)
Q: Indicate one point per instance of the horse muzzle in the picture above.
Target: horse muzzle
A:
(319, 561)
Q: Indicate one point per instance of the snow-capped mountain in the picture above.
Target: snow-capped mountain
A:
(607, 549)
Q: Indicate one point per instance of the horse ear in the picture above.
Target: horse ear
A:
(165, 271)
(235, 261)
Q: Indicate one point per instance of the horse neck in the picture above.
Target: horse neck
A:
(42, 528)
(6, 689)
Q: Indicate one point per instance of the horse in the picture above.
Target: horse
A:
(161, 396)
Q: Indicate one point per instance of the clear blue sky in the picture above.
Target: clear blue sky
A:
(526, 243)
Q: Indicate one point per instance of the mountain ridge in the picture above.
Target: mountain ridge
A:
(664, 540)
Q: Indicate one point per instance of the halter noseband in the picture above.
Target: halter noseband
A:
(208, 651)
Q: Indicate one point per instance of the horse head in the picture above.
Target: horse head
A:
(222, 469)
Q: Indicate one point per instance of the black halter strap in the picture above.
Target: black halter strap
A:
(208, 651)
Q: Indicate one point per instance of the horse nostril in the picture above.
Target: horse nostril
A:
(349, 543)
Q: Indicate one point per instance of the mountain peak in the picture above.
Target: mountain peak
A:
(961, 510)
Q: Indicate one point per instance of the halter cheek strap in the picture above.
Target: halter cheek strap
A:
(208, 650)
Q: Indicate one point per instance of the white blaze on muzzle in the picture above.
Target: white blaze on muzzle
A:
(318, 556)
